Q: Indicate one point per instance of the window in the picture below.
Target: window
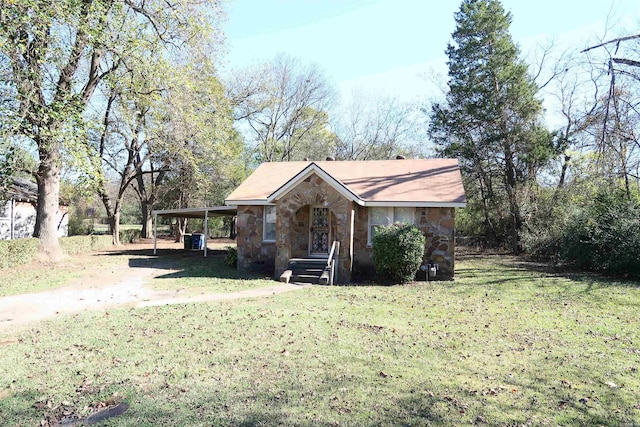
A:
(269, 224)
(387, 216)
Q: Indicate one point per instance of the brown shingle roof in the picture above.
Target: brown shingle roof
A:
(379, 181)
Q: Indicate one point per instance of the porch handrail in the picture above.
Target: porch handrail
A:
(332, 261)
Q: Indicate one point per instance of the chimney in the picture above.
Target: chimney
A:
(400, 157)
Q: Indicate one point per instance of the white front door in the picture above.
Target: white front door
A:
(319, 231)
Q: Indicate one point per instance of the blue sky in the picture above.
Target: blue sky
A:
(396, 47)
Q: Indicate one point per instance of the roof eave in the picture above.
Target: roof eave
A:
(416, 204)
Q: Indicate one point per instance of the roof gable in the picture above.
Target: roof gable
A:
(305, 173)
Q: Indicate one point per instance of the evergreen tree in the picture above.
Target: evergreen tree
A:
(491, 119)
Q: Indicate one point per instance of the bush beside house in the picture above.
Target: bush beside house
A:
(397, 253)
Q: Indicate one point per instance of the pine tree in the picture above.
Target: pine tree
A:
(491, 119)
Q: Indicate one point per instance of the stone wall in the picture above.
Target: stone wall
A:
(300, 233)
(313, 191)
(253, 253)
(436, 224)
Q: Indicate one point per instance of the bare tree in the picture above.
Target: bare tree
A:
(374, 127)
(279, 104)
(618, 114)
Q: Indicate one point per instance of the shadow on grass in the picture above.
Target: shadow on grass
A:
(188, 263)
(496, 269)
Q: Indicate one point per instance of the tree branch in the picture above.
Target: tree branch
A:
(618, 40)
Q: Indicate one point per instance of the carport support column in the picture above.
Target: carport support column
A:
(206, 220)
(155, 232)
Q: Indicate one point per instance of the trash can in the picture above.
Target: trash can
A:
(197, 241)
(187, 242)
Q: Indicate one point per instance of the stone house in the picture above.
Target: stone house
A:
(18, 211)
(295, 210)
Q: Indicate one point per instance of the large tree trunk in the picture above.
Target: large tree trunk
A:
(514, 207)
(48, 178)
(113, 217)
(180, 229)
(114, 227)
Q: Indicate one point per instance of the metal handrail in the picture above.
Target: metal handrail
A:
(332, 261)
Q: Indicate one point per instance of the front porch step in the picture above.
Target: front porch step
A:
(304, 270)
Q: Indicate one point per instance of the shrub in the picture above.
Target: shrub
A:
(605, 235)
(232, 257)
(129, 236)
(397, 253)
(543, 236)
(18, 251)
(74, 245)
(23, 251)
(79, 226)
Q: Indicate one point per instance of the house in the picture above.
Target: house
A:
(295, 210)
(18, 211)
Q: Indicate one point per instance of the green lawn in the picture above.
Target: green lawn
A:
(506, 343)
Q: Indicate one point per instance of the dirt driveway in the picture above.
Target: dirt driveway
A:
(126, 289)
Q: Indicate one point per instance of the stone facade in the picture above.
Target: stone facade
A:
(349, 225)
(253, 253)
(313, 191)
(438, 227)
(436, 224)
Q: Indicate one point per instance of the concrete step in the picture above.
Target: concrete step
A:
(306, 278)
(305, 270)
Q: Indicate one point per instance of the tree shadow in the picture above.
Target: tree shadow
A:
(188, 263)
(496, 264)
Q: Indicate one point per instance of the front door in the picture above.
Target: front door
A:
(319, 230)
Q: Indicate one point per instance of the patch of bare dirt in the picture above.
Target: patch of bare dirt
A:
(114, 285)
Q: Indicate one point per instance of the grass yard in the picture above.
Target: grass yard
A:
(506, 343)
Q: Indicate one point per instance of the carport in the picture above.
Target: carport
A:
(203, 213)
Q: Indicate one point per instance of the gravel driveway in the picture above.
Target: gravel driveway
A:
(25, 308)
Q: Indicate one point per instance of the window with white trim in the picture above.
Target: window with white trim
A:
(269, 224)
(387, 216)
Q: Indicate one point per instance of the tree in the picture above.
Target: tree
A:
(59, 53)
(279, 104)
(618, 120)
(491, 118)
(374, 127)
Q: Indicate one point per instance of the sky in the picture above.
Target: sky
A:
(396, 47)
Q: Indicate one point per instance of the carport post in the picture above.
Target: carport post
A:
(155, 231)
(206, 218)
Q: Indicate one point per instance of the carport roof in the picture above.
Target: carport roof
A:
(197, 212)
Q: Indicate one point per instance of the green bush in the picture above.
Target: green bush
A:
(79, 226)
(74, 245)
(232, 257)
(543, 236)
(605, 235)
(397, 253)
(129, 236)
(18, 251)
(23, 251)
